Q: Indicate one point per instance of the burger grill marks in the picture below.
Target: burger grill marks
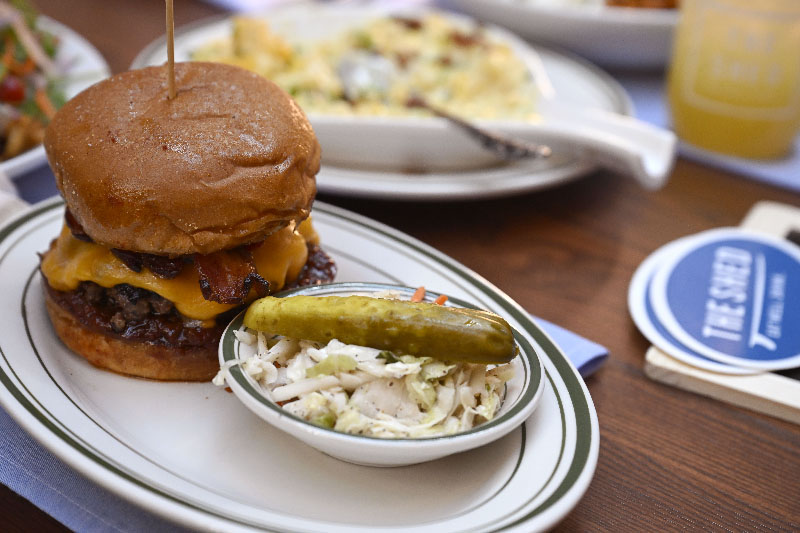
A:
(226, 277)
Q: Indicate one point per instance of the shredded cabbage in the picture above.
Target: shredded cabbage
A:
(364, 391)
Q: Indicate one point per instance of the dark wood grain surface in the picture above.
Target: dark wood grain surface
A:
(669, 459)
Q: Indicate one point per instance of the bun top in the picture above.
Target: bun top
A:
(229, 160)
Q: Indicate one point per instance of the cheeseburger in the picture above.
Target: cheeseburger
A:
(178, 212)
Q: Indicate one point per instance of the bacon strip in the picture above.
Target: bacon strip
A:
(75, 227)
(227, 277)
(161, 266)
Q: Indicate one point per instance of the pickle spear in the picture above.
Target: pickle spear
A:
(414, 328)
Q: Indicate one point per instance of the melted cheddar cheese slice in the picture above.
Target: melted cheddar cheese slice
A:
(70, 261)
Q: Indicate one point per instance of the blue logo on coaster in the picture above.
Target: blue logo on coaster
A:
(679, 351)
(734, 297)
(648, 322)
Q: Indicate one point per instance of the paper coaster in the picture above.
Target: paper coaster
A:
(732, 296)
(648, 323)
(775, 393)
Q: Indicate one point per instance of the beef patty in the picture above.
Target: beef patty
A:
(132, 313)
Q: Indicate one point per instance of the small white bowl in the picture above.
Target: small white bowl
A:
(523, 392)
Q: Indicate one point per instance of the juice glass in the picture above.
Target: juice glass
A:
(734, 80)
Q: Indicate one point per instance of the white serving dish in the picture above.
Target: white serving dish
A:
(192, 454)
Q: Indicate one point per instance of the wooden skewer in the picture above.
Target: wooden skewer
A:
(170, 50)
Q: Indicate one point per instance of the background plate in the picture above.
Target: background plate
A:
(610, 36)
(576, 82)
(192, 453)
(83, 66)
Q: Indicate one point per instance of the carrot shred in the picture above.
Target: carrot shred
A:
(44, 103)
(24, 68)
(419, 295)
(440, 300)
(8, 54)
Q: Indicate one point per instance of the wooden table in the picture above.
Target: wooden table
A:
(669, 459)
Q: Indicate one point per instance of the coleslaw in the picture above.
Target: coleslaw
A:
(366, 391)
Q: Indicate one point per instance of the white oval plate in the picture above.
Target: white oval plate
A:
(610, 36)
(522, 394)
(84, 66)
(191, 453)
(382, 144)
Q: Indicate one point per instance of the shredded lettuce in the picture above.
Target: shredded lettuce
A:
(332, 365)
(421, 391)
(435, 370)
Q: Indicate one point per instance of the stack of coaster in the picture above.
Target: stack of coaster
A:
(722, 309)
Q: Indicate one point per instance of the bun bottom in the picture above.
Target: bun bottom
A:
(132, 358)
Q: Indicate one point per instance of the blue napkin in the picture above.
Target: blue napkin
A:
(34, 473)
(587, 356)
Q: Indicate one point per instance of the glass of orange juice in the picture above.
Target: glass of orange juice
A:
(734, 80)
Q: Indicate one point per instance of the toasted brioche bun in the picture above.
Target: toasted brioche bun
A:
(129, 357)
(228, 161)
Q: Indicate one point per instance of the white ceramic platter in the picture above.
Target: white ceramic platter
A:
(610, 36)
(193, 454)
(82, 65)
(374, 140)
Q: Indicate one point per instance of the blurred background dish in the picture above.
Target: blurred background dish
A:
(609, 35)
(444, 162)
(79, 65)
